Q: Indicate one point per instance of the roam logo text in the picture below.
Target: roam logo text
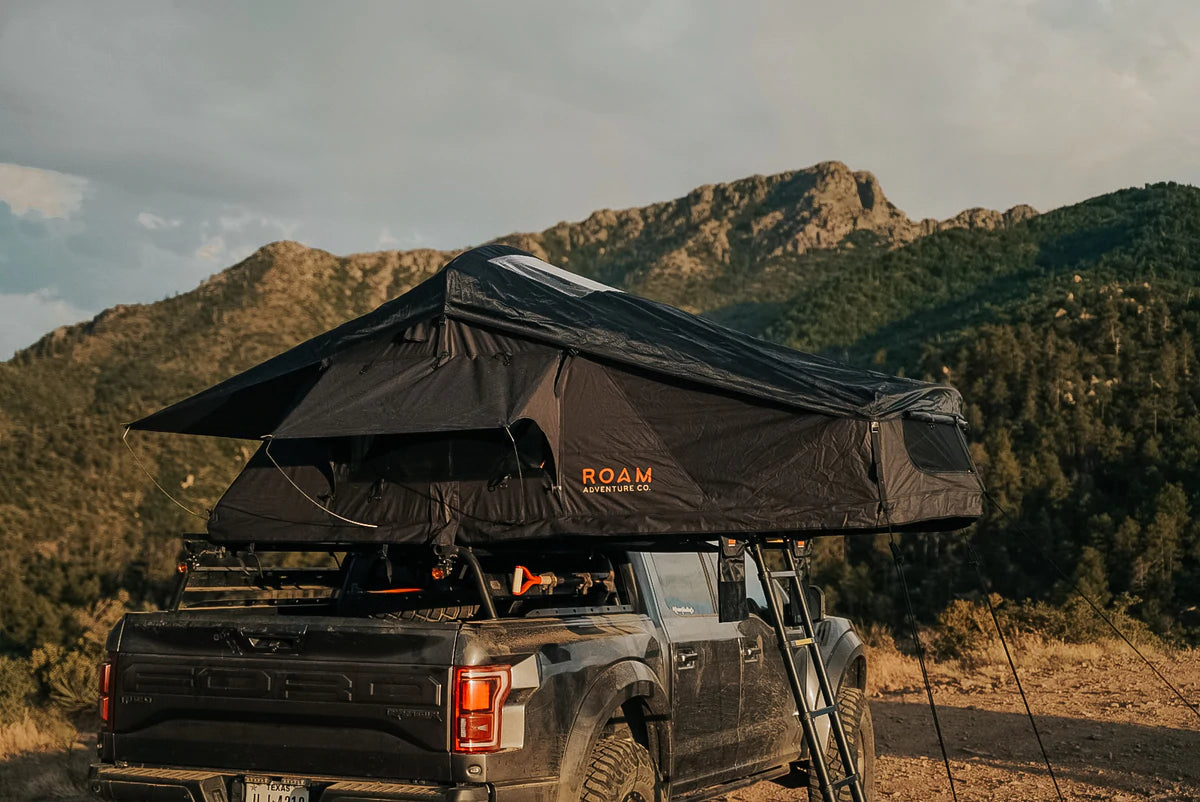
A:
(617, 480)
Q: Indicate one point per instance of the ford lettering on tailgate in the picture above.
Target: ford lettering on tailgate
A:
(283, 684)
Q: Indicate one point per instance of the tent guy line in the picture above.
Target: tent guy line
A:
(1074, 586)
(976, 562)
(151, 477)
(313, 501)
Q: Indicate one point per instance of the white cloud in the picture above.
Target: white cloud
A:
(389, 241)
(955, 103)
(240, 219)
(50, 194)
(237, 232)
(154, 222)
(25, 317)
(235, 221)
(212, 249)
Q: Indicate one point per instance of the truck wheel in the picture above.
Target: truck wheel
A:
(860, 733)
(619, 771)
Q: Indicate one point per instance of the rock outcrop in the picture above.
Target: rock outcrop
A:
(741, 224)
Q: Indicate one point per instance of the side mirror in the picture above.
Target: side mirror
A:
(816, 603)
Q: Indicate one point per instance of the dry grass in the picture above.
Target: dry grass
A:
(890, 670)
(43, 757)
(36, 732)
(1035, 653)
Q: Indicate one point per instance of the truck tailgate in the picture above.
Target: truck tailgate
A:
(284, 695)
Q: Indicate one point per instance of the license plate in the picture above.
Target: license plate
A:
(261, 790)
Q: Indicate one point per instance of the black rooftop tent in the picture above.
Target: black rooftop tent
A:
(506, 399)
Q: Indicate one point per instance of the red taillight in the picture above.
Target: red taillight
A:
(479, 695)
(106, 687)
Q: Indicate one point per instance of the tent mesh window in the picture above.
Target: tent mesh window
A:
(936, 447)
(485, 454)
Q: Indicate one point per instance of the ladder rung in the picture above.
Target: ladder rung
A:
(795, 644)
(849, 778)
(824, 711)
(781, 574)
(794, 632)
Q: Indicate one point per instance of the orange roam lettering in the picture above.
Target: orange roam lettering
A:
(589, 476)
(624, 476)
(610, 473)
(643, 477)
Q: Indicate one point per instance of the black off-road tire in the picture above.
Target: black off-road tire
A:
(437, 615)
(433, 615)
(619, 770)
(860, 734)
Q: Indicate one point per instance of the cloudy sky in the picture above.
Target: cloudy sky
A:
(144, 146)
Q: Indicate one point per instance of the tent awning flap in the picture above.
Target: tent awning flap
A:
(503, 289)
(454, 379)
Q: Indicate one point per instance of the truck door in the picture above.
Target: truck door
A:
(706, 668)
(769, 732)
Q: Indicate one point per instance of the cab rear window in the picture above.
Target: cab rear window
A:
(685, 585)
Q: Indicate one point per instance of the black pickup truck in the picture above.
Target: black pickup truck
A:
(425, 674)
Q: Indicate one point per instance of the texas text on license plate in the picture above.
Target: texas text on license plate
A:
(262, 789)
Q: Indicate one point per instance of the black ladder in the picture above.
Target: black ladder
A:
(805, 637)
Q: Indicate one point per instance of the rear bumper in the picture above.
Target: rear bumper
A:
(153, 784)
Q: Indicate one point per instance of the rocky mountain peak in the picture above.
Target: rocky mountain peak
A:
(744, 224)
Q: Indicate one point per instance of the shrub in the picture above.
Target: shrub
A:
(68, 678)
(16, 687)
(1076, 622)
(964, 627)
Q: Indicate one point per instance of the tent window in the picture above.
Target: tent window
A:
(936, 447)
(472, 455)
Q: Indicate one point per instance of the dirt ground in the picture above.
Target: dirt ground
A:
(1112, 730)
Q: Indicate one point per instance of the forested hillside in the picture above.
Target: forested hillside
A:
(1072, 335)
(1073, 339)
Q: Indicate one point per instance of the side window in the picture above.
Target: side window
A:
(754, 589)
(683, 583)
(936, 447)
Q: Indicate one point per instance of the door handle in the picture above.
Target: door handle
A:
(685, 659)
(751, 654)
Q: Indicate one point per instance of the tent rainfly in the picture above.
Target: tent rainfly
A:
(506, 399)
